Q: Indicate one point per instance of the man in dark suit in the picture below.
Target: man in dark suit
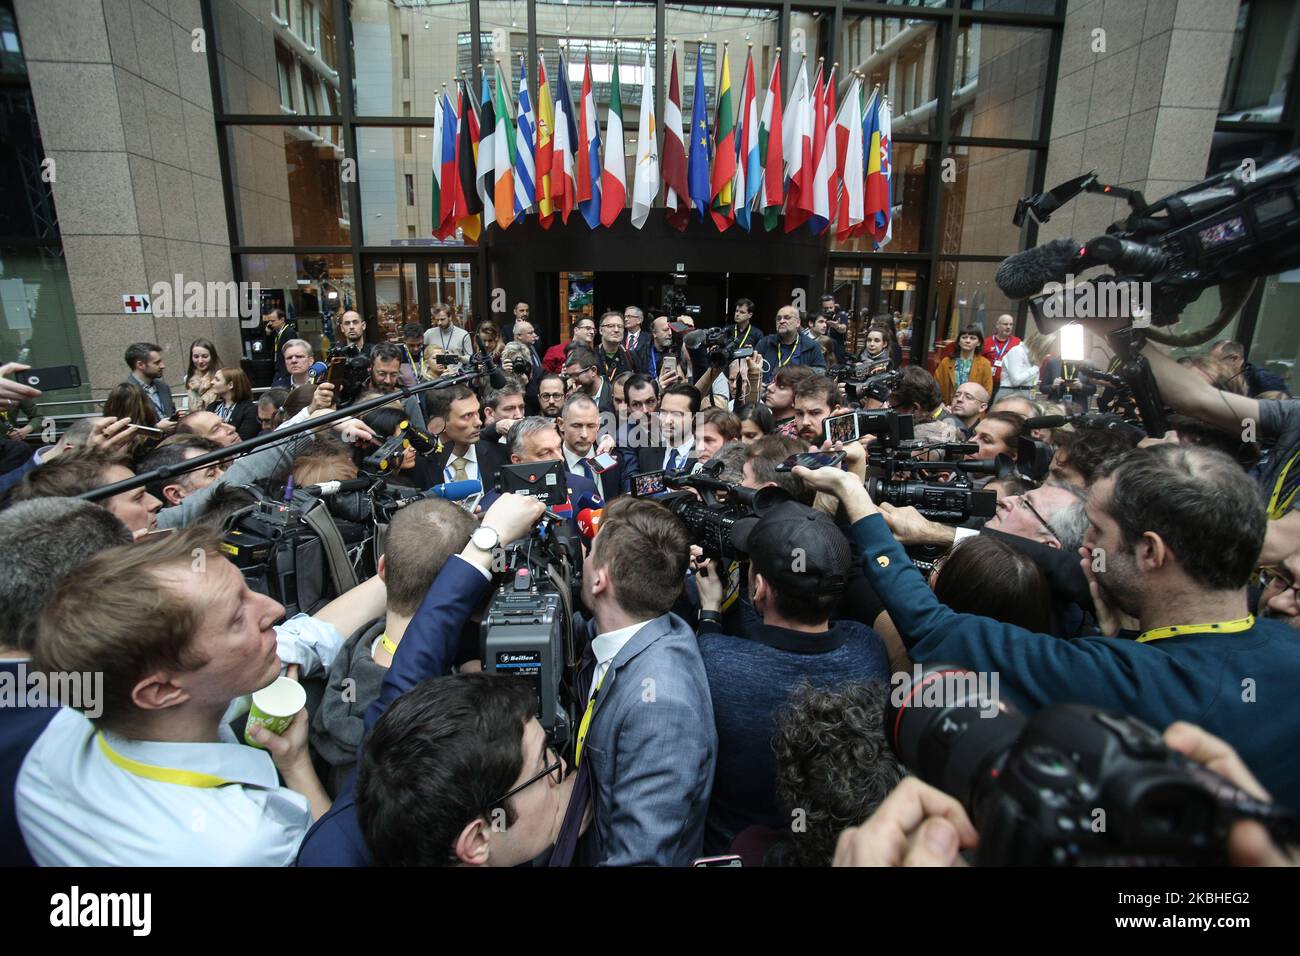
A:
(675, 448)
(536, 439)
(580, 429)
(145, 361)
(461, 455)
(280, 331)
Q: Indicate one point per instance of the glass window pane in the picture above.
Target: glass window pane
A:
(902, 57)
(270, 53)
(966, 293)
(1275, 347)
(976, 209)
(288, 187)
(404, 51)
(314, 290)
(1262, 59)
(38, 322)
(998, 80)
(701, 30)
(450, 283)
(810, 34)
(911, 164)
(397, 186)
(1047, 7)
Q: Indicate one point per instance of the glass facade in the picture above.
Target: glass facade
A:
(38, 320)
(354, 182)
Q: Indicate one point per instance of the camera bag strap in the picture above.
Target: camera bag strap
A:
(341, 571)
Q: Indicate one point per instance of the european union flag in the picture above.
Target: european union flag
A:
(700, 145)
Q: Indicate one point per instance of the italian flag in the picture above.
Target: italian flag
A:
(613, 178)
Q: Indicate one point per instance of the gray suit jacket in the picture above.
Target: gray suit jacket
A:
(164, 394)
(653, 747)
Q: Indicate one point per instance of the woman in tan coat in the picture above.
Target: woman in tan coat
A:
(965, 364)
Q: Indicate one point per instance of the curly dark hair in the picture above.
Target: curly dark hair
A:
(833, 764)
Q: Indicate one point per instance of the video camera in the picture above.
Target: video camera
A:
(1234, 225)
(720, 347)
(893, 453)
(1070, 786)
(348, 372)
(864, 381)
(711, 515)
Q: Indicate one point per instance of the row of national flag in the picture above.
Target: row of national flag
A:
(498, 158)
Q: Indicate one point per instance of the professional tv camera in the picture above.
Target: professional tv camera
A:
(348, 372)
(711, 514)
(1070, 786)
(1228, 230)
(952, 501)
(866, 380)
(527, 629)
(719, 347)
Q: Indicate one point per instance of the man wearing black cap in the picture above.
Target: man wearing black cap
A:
(799, 563)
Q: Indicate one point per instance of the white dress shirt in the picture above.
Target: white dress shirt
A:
(683, 452)
(606, 647)
(571, 460)
(77, 807)
(471, 465)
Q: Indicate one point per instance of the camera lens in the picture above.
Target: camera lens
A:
(947, 726)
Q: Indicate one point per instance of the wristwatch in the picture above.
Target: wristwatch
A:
(485, 539)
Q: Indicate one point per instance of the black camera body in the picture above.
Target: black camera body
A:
(1072, 785)
(710, 516)
(348, 372)
(902, 480)
(866, 380)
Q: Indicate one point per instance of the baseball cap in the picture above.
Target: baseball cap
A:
(795, 547)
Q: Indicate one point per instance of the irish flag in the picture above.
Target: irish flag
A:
(503, 142)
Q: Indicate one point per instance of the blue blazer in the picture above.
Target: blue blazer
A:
(428, 649)
(653, 747)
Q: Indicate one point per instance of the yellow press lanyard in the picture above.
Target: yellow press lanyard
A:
(184, 778)
(586, 720)
(781, 363)
(1284, 490)
(387, 644)
(740, 343)
(1218, 627)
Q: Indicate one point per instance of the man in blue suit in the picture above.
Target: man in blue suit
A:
(646, 744)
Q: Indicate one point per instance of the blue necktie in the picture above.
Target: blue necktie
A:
(672, 461)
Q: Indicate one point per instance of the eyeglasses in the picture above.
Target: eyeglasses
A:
(1276, 574)
(553, 769)
(1024, 500)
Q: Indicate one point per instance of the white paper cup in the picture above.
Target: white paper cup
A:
(274, 707)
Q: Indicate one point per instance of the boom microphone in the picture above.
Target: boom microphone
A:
(1047, 421)
(1025, 273)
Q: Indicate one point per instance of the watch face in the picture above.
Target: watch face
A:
(485, 538)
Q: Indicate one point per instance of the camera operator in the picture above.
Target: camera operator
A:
(178, 636)
(269, 404)
(997, 434)
(404, 807)
(645, 769)
(1257, 380)
(1280, 597)
(1178, 532)
(1278, 472)
(41, 543)
(444, 336)
(788, 345)
(837, 326)
(815, 400)
(1085, 454)
(420, 539)
(526, 335)
(779, 397)
(917, 394)
(173, 451)
(385, 378)
(969, 405)
(714, 427)
(353, 328)
(799, 565)
(741, 331)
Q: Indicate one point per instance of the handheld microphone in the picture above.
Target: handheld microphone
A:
(1025, 273)
(316, 371)
(589, 522)
(448, 490)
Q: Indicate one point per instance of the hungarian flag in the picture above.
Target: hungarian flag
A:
(676, 199)
(771, 156)
(449, 184)
(468, 205)
(485, 156)
(545, 148)
(823, 158)
(645, 174)
(613, 180)
(848, 158)
(525, 165)
(724, 151)
(748, 168)
(697, 173)
(503, 145)
(797, 146)
(564, 183)
(589, 155)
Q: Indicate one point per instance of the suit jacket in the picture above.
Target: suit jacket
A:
(490, 455)
(164, 395)
(613, 482)
(652, 747)
(244, 418)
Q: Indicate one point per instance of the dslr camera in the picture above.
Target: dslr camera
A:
(1072, 785)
